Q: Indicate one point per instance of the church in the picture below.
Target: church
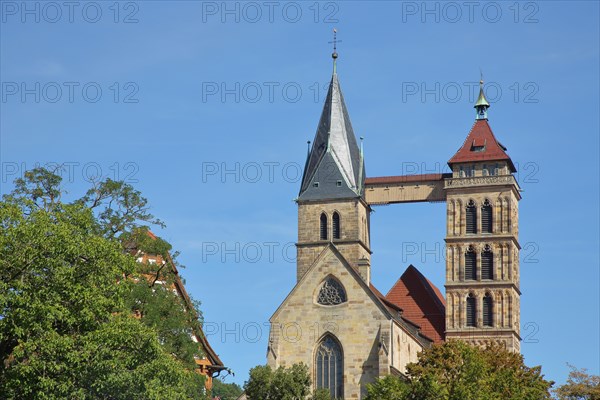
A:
(334, 320)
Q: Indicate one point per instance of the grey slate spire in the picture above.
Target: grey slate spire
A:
(334, 168)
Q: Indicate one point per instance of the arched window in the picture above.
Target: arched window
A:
(487, 263)
(470, 264)
(471, 217)
(329, 365)
(336, 225)
(331, 293)
(471, 310)
(488, 310)
(323, 226)
(486, 217)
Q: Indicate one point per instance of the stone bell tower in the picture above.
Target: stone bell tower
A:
(482, 263)
(331, 203)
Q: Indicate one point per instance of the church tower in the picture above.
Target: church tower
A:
(331, 203)
(482, 263)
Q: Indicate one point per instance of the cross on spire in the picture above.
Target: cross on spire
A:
(334, 55)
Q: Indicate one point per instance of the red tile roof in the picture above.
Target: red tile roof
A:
(481, 145)
(421, 302)
(405, 178)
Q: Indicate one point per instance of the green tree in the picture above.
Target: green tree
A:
(579, 386)
(321, 394)
(282, 384)
(66, 288)
(225, 391)
(458, 371)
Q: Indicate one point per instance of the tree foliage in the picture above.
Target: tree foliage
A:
(579, 386)
(458, 371)
(78, 318)
(265, 383)
(225, 391)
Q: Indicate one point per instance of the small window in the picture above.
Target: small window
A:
(471, 217)
(470, 265)
(487, 263)
(486, 217)
(331, 293)
(461, 172)
(338, 183)
(488, 310)
(485, 171)
(316, 184)
(323, 231)
(336, 226)
(471, 311)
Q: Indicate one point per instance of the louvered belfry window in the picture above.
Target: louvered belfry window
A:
(336, 225)
(487, 263)
(329, 367)
(471, 217)
(471, 310)
(486, 217)
(470, 265)
(323, 227)
(488, 313)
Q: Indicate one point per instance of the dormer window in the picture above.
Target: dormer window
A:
(478, 145)
(316, 184)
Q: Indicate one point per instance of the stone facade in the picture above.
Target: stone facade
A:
(373, 342)
(502, 194)
(353, 242)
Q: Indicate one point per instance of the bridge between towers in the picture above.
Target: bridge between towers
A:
(386, 190)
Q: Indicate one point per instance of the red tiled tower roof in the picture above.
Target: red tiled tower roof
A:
(481, 145)
(421, 302)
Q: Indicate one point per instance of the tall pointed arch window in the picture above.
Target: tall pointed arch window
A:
(487, 263)
(471, 310)
(329, 367)
(336, 225)
(486, 217)
(488, 310)
(331, 293)
(470, 264)
(471, 217)
(323, 230)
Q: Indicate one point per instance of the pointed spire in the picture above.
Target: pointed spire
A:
(334, 168)
(482, 104)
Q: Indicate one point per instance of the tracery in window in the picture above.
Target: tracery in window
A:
(329, 365)
(331, 293)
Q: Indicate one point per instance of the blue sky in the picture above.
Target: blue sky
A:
(206, 107)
